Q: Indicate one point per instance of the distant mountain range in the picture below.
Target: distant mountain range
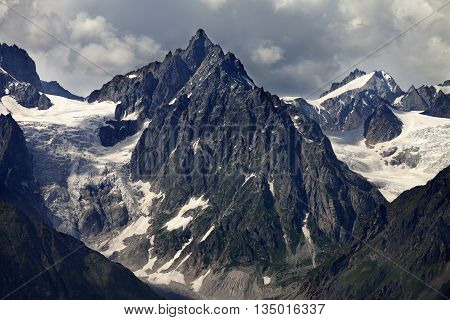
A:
(202, 183)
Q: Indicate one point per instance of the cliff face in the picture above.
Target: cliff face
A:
(18, 78)
(19, 65)
(382, 125)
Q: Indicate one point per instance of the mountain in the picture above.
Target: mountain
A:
(40, 263)
(230, 179)
(432, 100)
(382, 125)
(213, 187)
(18, 78)
(407, 259)
(352, 76)
(54, 88)
(348, 104)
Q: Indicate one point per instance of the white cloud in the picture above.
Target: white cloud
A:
(100, 42)
(214, 4)
(101, 45)
(267, 54)
(288, 4)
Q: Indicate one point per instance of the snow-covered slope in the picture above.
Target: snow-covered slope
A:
(411, 159)
(84, 184)
(358, 83)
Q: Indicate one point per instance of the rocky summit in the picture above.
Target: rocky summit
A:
(18, 78)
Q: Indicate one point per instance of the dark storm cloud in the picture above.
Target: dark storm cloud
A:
(290, 47)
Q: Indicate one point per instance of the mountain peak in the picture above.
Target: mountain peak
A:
(17, 63)
(198, 48)
(352, 76)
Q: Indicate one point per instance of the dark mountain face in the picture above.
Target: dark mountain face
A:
(446, 83)
(407, 257)
(382, 125)
(350, 111)
(413, 100)
(18, 185)
(352, 76)
(257, 190)
(19, 65)
(54, 88)
(440, 106)
(429, 99)
(18, 78)
(74, 271)
(15, 161)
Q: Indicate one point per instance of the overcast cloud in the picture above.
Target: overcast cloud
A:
(291, 47)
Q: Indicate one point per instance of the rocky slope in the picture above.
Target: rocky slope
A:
(382, 125)
(40, 263)
(407, 259)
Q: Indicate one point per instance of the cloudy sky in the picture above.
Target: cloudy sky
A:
(291, 47)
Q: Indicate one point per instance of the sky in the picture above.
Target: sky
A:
(289, 47)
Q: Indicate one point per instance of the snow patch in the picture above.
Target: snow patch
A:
(172, 101)
(207, 234)
(248, 177)
(267, 280)
(271, 187)
(131, 116)
(197, 283)
(166, 278)
(352, 85)
(180, 221)
(309, 240)
(139, 227)
(146, 201)
(196, 145)
(169, 263)
(444, 89)
(131, 76)
(398, 100)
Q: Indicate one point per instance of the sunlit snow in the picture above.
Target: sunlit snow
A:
(430, 136)
(180, 221)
